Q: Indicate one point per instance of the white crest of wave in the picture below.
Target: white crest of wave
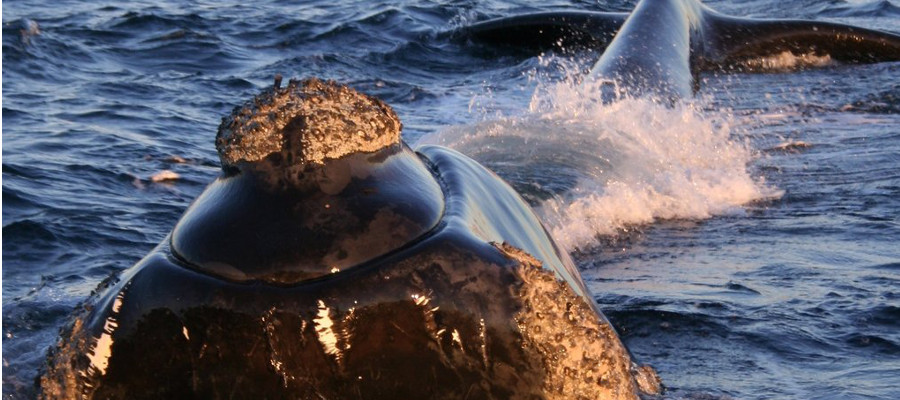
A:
(593, 168)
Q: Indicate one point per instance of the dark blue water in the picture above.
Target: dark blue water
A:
(754, 255)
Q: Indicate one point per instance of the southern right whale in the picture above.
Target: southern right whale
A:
(331, 261)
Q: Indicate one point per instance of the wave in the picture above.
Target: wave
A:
(886, 101)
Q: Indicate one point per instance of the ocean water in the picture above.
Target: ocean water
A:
(744, 243)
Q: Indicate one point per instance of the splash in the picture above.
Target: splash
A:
(594, 168)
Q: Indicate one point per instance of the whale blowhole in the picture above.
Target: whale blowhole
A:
(305, 123)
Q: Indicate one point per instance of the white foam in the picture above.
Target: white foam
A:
(787, 61)
(630, 162)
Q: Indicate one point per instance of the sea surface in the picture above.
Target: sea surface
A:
(746, 243)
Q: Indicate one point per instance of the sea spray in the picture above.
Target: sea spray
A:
(593, 168)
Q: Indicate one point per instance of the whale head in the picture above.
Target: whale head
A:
(316, 180)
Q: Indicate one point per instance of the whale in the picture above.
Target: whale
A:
(659, 49)
(330, 260)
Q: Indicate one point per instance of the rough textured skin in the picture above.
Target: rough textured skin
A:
(453, 319)
(581, 354)
(306, 122)
(61, 379)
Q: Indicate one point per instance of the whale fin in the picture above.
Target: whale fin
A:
(729, 41)
(651, 53)
(549, 30)
(723, 41)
